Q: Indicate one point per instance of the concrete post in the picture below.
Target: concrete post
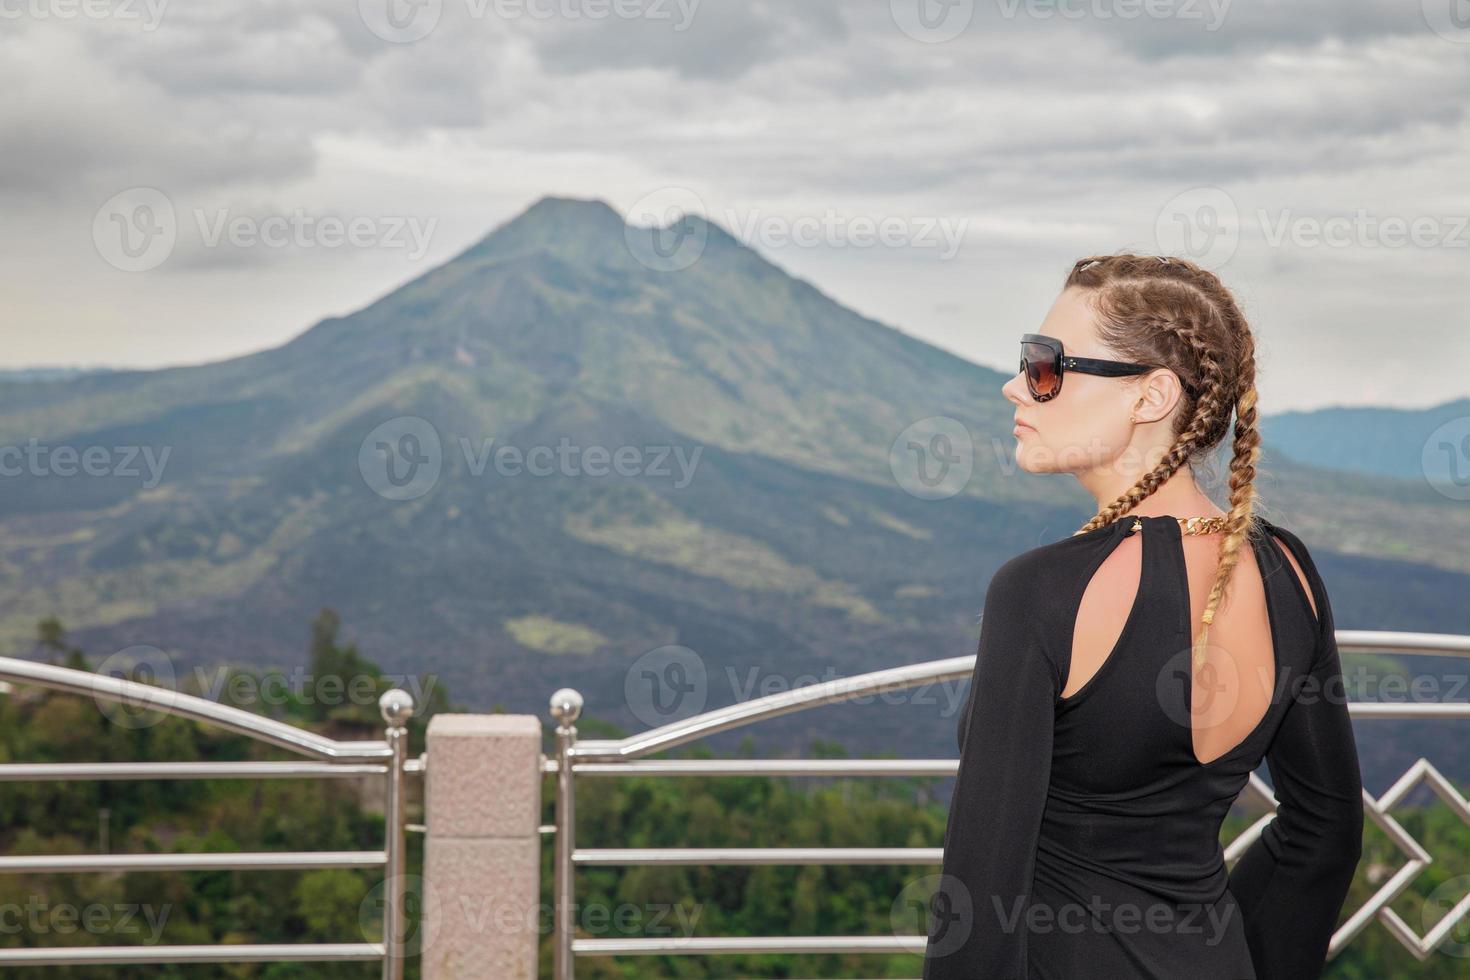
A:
(482, 856)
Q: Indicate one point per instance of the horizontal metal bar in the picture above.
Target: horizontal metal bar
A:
(1394, 641)
(238, 953)
(843, 689)
(1379, 710)
(181, 705)
(228, 861)
(644, 946)
(757, 855)
(763, 767)
(91, 771)
(1366, 710)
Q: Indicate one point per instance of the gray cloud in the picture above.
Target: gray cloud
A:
(712, 41)
(1052, 137)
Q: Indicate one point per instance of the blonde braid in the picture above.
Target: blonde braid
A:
(1239, 524)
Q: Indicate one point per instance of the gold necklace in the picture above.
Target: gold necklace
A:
(1191, 525)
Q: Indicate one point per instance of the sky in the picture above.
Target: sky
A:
(186, 182)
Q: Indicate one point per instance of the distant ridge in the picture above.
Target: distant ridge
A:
(1368, 439)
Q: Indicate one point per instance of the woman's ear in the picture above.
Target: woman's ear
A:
(1156, 395)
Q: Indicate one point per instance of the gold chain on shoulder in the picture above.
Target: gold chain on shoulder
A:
(1191, 525)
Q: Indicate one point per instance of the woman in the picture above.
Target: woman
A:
(1131, 677)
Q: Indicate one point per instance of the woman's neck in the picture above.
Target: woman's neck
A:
(1179, 496)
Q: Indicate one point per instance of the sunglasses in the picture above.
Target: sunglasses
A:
(1043, 363)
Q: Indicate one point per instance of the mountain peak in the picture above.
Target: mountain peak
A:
(587, 230)
(552, 208)
(568, 226)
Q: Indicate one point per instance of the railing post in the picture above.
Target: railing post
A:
(566, 707)
(482, 848)
(396, 707)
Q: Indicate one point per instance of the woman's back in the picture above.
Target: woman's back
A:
(1233, 686)
(1097, 766)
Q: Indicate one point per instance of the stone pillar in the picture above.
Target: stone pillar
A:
(482, 850)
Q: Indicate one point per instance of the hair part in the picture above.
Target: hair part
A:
(1172, 313)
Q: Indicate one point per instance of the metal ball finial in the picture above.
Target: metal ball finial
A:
(396, 706)
(566, 706)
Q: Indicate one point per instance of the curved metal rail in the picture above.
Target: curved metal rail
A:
(122, 691)
(387, 759)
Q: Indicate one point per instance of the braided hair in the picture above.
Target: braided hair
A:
(1171, 312)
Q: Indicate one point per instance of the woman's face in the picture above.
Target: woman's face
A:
(1087, 425)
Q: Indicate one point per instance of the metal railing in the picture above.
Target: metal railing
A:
(620, 757)
(333, 759)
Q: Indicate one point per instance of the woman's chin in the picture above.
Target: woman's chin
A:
(1029, 458)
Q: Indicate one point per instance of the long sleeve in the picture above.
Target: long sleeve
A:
(1291, 883)
(977, 922)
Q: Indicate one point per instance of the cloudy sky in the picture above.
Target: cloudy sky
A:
(184, 182)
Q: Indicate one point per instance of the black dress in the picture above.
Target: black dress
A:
(1083, 836)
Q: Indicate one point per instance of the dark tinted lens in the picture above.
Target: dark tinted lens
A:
(1039, 363)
